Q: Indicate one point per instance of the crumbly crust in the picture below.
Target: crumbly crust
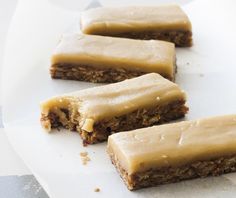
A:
(180, 38)
(137, 119)
(154, 177)
(78, 72)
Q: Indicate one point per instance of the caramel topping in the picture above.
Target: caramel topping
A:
(175, 144)
(117, 53)
(116, 99)
(115, 20)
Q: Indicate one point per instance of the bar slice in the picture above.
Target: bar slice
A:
(165, 22)
(100, 111)
(174, 152)
(108, 59)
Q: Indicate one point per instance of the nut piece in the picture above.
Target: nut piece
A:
(88, 125)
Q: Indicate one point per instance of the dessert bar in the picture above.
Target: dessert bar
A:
(166, 22)
(174, 152)
(100, 111)
(107, 59)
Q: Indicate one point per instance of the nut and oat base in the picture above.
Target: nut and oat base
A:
(180, 38)
(91, 74)
(154, 177)
(137, 119)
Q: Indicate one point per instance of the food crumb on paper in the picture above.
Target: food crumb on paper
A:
(97, 190)
(84, 157)
(84, 154)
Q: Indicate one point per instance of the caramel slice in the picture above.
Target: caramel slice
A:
(108, 59)
(173, 152)
(97, 112)
(166, 22)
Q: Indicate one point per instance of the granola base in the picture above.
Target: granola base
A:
(179, 37)
(137, 119)
(78, 72)
(166, 175)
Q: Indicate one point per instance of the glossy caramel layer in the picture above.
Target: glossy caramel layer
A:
(174, 145)
(116, 53)
(116, 20)
(116, 99)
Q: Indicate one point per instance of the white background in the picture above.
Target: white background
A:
(10, 164)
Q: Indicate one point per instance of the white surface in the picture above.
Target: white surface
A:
(6, 11)
(140, 2)
(11, 164)
(206, 71)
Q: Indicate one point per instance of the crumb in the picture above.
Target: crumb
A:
(201, 75)
(86, 160)
(188, 63)
(83, 154)
(84, 157)
(97, 190)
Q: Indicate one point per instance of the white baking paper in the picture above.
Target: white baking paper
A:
(206, 71)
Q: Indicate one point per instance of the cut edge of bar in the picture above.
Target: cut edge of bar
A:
(181, 38)
(69, 119)
(68, 71)
(167, 175)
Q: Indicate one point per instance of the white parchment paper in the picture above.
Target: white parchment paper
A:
(206, 71)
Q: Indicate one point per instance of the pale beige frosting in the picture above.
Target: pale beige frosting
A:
(117, 99)
(175, 144)
(103, 52)
(115, 20)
